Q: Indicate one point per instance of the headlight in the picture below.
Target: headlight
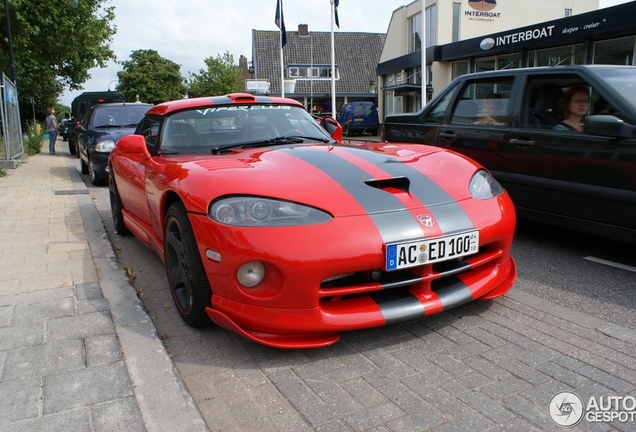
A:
(484, 186)
(105, 146)
(255, 211)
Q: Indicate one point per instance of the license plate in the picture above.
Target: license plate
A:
(358, 119)
(415, 253)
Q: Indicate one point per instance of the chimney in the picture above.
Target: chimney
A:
(303, 30)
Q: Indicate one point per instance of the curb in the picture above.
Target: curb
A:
(164, 401)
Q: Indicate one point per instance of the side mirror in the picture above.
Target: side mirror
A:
(332, 127)
(133, 144)
(608, 125)
(79, 129)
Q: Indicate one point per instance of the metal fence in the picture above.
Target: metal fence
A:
(11, 145)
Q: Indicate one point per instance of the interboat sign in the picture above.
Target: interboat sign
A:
(516, 37)
(482, 10)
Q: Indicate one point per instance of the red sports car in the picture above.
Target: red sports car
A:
(271, 228)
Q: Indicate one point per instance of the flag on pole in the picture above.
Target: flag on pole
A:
(335, 9)
(280, 22)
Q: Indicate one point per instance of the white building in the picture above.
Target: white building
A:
(465, 36)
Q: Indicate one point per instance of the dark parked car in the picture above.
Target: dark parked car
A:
(578, 180)
(80, 106)
(358, 117)
(102, 127)
(63, 127)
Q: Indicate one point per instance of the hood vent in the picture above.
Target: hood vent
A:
(400, 183)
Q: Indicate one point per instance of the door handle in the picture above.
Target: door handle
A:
(449, 134)
(521, 142)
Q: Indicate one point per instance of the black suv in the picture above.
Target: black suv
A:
(578, 180)
(102, 127)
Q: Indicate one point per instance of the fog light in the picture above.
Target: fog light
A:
(251, 274)
(376, 275)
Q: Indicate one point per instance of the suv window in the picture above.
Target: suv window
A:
(437, 113)
(483, 103)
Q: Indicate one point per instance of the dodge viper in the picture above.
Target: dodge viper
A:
(272, 228)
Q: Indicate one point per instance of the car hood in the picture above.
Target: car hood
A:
(114, 134)
(369, 178)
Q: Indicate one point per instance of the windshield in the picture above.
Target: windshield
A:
(623, 81)
(128, 115)
(214, 129)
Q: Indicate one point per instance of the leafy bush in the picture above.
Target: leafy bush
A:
(32, 138)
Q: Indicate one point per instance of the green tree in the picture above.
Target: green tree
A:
(221, 77)
(54, 47)
(153, 78)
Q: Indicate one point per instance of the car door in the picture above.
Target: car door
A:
(478, 123)
(570, 174)
(83, 138)
(132, 173)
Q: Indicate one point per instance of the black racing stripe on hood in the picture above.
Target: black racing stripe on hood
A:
(393, 221)
(451, 217)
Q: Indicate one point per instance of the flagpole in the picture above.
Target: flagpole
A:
(333, 64)
(280, 39)
(423, 42)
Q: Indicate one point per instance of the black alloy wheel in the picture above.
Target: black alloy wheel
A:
(188, 282)
(96, 180)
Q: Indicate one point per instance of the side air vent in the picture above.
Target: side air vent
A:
(400, 183)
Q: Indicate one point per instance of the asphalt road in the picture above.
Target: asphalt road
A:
(239, 385)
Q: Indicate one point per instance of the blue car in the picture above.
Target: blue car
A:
(102, 127)
(358, 117)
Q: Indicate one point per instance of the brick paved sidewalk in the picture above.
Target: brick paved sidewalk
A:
(75, 351)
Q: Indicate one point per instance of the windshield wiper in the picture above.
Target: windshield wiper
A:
(107, 126)
(261, 143)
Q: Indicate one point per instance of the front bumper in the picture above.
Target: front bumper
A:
(99, 162)
(300, 304)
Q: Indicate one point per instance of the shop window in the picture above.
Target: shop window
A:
(509, 61)
(459, 68)
(485, 64)
(616, 51)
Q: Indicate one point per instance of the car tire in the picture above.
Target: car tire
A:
(96, 180)
(189, 285)
(83, 166)
(116, 208)
(374, 132)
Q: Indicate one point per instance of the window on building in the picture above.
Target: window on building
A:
(306, 72)
(567, 55)
(431, 26)
(459, 68)
(568, 13)
(415, 24)
(485, 64)
(415, 30)
(509, 61)
(615, 51)
(457, 10)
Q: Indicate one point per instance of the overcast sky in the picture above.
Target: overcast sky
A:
(188, 31)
